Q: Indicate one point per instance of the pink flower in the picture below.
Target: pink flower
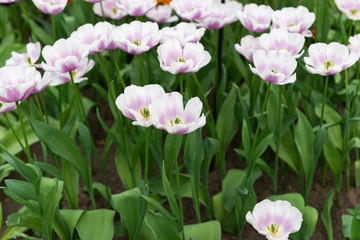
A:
(58, 78)
(52, 7)
(137, 37)
(255, 18)
(329, 59)
(350, 8)
(7, 107)
(93, 1)
(8, 1)
(136, 7)
(176, 59)
(97, 38)
(274, 66)
(162, 14)
(17, 83)
(295, 20)
(221, 15)
(65, 55)
(27, 59)
(190, 10)
(248, 46)
(283, 41)
(183, 32)
(134, 102)
(110, 10)
(168, 113)
(275, 220)
(354, 43)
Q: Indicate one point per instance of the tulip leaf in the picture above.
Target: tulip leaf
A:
(310, 216)
(326, 214)
(227, 219)
(208, 230)
(346, 223)
(170, 194)
(169, 152)
(355, 225)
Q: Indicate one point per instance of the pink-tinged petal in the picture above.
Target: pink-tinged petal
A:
(337, 52)
(351, 60)
(153, 92)
(7, 107)
(169, 52)
(254, 71)
(67, 64)
(34, 50)
(318, 54)
(193, 110)
(135, 97)
(260, 58)
(269, 76)
(121, 104)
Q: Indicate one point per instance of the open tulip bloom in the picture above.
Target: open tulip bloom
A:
(354, 43)
(52, 7)
(65, 55)
(110, 10)
(27, 59)
(222, 14)
(137, 37)
(183, 32)
(351, 8)
(162, 14)
(283, 41)
(176, 59)
(329, 59)
(255, 18)
(275, 220)
(274, 66)
(8, 1)
(97, 37)
(295, 20)
(134, 102)
(248, 45)
(190, 10)
(136, 7)
(168, 113)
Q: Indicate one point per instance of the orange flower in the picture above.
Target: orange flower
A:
(163, 2)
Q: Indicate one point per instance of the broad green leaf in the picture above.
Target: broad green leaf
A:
(69, 219)
(310, 216)
(322, 20)
(129, 173)
(326, 215)
(10, 231)
(357, 173)
(169, 151)
(246, 140)
(333, 159)
(96, 224)
(208, 230)
(24, 220)
(262, 146)
(355, 225)
(22, 189)
(71, 183)
(346, 223)
(227, 219)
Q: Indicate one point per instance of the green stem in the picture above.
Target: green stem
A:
(102, 11)
(13, 131)
(23, 9)
(79, 101)
(39, 107)
(142, 71)
(203, 97)
(146, 155)
(178, 188)
(347, 103)
(278, 142)
(357, 90)
(181, 84)
(53, 27)
(44, 107)
(188, 86)
(118, 69)
(324, 98)
(24, 133)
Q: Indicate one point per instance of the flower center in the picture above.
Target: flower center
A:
(74, 74)
(1, 104)
(145, 114)
(51, 3)
(28, 61)
(137, 42)
(176, 121)
(328, 64)
(291, 24)
(273, 70)
(353, 11)
(181, 60)
(114, 10)
(273, 229)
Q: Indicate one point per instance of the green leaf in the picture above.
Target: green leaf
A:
(208, 230)
(273, 112)
(310, 216)
(326, 214)
(295, 199)
(40, 33)
(227, 219)
(319, 142)
(129, 172)
(262, 146)
(322, 20)
(357, 173)
(355, 225)
(170, 194)
(96, 224)
(346, 223)
(22, 189)
(169, 150)
(10, 231)
(246, 140)
(69, 218)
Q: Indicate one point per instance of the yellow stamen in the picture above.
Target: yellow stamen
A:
(181, 60)
(176, 121)
(74, 74)
(328, 64)
(145, 114)
(273, 70)
(353, 11)
(291, 24)
(114, 10)
(137, 42)
(273, 229)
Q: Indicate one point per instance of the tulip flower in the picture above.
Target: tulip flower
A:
(354, 43)
(134, 102)
(162, 14)
(65, 55)
(136, 7)
(93, 1)
(168, 113)
(8, 1)
(255, 18)
(183, 32)
(110, 10)
(329, 59)
(176, 59)
(52, 7)
(249, 45)
(295, 20)
(275, 220)
(351, 8)
(283, 41)
(27, 59)
(7, 107)
(221, 15)
(274, 66)
(190, 10)
(17, 83)
(97, 38)
(137, 37)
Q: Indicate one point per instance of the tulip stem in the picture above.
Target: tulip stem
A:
(13, 131)
(53, 27)
(278, 142)
(203, 96)
(118, 69)
(39, 107)
(146, 155)
(178, 187)
(79, 101)
(188, 85)
(323, 103)
(23, 9)
(44, 107)
(181, 84)
(142, 71)
(102, 11)
(24, 133)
